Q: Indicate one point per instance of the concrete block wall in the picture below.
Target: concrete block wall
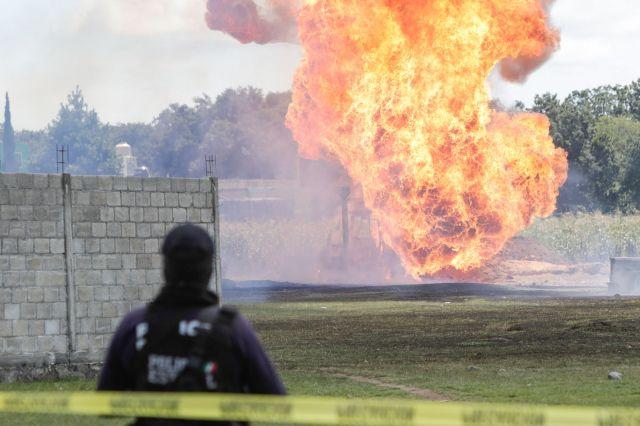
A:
(33, 315)
(115, 230)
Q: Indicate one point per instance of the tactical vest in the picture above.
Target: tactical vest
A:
(177, 354)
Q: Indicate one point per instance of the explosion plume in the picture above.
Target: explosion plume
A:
(396, 92)
(247, 21)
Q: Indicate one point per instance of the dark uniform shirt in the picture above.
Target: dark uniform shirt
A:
(258, 374)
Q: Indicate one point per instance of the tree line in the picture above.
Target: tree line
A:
(600, 130)
(244, 129)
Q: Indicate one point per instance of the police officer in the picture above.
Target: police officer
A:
(182, 341)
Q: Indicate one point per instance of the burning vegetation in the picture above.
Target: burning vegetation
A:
(396, 92)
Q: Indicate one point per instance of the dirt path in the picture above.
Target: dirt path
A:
(420, 392)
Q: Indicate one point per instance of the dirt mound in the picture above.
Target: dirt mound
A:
(520, 248)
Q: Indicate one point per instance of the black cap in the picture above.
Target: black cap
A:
(188, 251)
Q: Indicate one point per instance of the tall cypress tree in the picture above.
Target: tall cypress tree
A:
(9, 141)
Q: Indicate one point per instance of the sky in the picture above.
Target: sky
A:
(132, 58)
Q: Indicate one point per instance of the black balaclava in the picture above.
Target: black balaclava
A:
(188, 257)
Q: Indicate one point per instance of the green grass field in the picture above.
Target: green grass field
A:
(549, 351)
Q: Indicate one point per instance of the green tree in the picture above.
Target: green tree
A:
(79, 128)
(8, 140)
(613, 156)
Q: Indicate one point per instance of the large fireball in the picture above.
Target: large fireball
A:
(396, 91)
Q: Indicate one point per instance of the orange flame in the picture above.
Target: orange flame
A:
(395, 90)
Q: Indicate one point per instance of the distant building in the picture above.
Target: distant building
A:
(129, 163)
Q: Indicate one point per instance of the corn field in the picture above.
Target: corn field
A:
(588, 236)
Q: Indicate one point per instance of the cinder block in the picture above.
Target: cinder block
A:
(123, 277)
(185, 199)
(138, 277)
(165, 215)
(150, 214)
(143, 230)
(94, 309)
(122, 245)
(20, 328)
(56, 245)
(157, 230)
(36, 327)
(4, 196)
(137, 245)
(143, 261)
(114, 199)
(107, 214)
(130, 293)
(35, 294)
(86, 214)
(19, 295)
(116, 293)
(87, 325)
(101, 293)
(24, 180)
(154, 277)
(80, 198)
(5, 295)
(193, 185)
(40, 181)
(85, 293)
(171, 199)
(179, 215)
(17, 229)
(114, 229)
(151, 245)
(41, 245)
(147, 293)
(108, 277)
(128, 199)
(134, 184)
(143, 199)
(59, 343)
(9, 246)
(59, 310)
(157, 199)
(107, 245)
(45, 310)
(26, 213)
(8, 212)
(90, 182)
(39, 197)
(84, 261)
(92, 245)
(17, 263)
(193, 215)
(78, 246)
(120, 183)
(98, 261)
(105, 183)
(109, 310)
(199, 200)
(98, 229)
(114, 262)
(178, 185)
(149, 184)
(128, 261)
(11, 311)
(50, 294)
(156, 261)
(33, 229)
(5, 329)
(206, 215)
(103, 325)
(44, 343)
(49, 229)
(129, 230)
(52, 327)
(136, 214)
(163, 184)
(28, 311)
(28, 278)
(18, 197)
(28, 345)
(82, 229)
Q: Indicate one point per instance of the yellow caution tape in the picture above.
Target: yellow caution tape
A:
(311, 410)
